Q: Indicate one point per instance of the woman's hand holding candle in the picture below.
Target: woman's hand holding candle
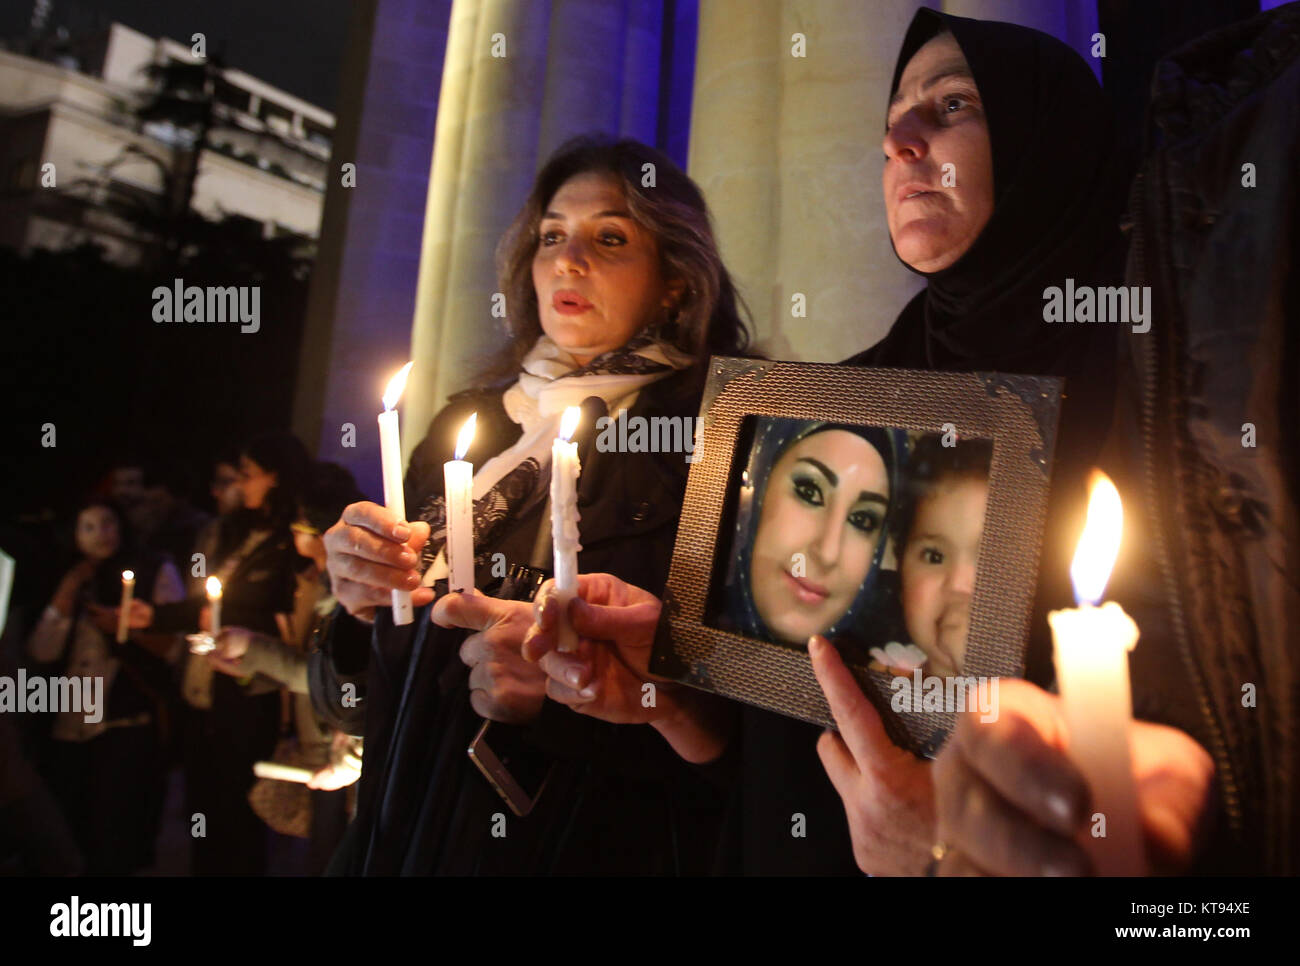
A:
(231, 645)
(1010, 801)
(370, 553)
(608, 676)
(1087, 787)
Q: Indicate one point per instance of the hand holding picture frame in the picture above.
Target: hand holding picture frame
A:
(898, 513)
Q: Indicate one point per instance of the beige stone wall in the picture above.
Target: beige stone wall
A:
(787, 150)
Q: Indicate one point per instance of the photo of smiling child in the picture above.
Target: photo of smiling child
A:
(938, 525)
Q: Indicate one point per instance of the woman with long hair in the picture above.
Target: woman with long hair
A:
(618, 297)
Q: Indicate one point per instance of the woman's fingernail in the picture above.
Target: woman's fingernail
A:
(401, 532)
(411, 581)
(1059, 806)
(587, 692)
(573, 676)
(408, 559)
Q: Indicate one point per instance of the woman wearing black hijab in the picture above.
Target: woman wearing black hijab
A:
(1057, 192)
(1000, 183)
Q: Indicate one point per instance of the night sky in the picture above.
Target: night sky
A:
(297, 45)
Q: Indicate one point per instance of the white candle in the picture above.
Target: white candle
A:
(214, 602)
(284, 773)
(128, 591)
(458, 475)
(1092, 645)
(390, 452)
(564, 522)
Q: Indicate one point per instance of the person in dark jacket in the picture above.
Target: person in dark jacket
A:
(297, 664)
(620, 296)
(231, 723)
(106, 768)
(1202, 455)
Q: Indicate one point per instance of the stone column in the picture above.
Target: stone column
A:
(521, 77)
(785, 141)
(358, 326)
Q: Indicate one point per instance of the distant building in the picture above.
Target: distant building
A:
(267, 157)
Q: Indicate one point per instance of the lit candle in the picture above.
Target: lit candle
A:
(458, 475)
(214, 602)
(390, 452)
(564, 522)
(1092, 645)
(128, 591)
(284, 773)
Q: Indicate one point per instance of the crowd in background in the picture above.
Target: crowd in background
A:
(168, 755)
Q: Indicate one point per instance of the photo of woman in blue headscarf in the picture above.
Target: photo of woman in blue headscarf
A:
(811, 527)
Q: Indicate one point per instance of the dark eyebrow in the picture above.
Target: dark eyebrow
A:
(827, 472)
(954, 70)
(607, 213)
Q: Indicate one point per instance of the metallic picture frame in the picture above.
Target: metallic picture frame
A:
(1018, 413)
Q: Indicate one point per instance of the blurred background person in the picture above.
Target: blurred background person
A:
(321, 721)
(107, 774)
(227, 498)
(231, 723)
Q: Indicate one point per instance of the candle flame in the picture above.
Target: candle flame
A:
(214, 588)
(466, 436)
(396, 385)
(569, 422)
(128, 575)
(1094, 558)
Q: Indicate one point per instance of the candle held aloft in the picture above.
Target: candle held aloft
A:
(128, 591)
(564, 522)
(390, 454)
(458, 477)
(1091, 646)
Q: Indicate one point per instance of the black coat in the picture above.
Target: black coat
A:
(619, 800)
(1213, 527)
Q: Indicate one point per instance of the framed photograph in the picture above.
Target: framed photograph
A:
(898, 513)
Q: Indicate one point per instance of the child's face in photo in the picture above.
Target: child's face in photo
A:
(938, 571)
(822, 511)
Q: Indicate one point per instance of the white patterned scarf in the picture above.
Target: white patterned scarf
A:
(510, 484)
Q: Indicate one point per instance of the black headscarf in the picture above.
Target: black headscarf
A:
(1058, 189)
(1057, 200)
